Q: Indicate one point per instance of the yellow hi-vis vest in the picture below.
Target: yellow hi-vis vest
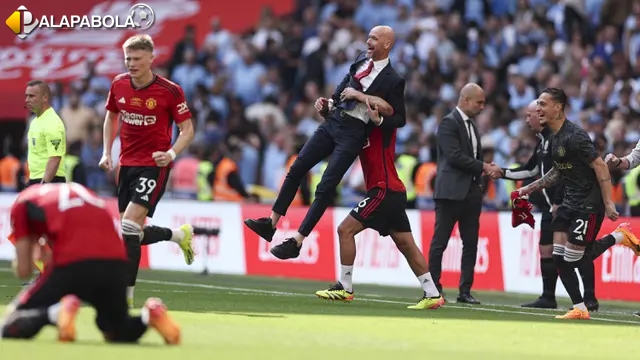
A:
(511, 185)
(405, 165)
(205, 191)
(316, 176)
(70, 163)
(631, 187)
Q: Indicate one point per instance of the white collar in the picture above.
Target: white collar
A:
(380, 64)
(464, 116)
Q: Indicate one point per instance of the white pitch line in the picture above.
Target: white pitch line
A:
(368, 299)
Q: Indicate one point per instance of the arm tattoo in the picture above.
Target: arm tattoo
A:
(549, 179)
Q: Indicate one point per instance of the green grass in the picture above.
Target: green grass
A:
(235, 317)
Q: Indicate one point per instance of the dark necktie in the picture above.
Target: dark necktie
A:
(471, 135)
(359, 76)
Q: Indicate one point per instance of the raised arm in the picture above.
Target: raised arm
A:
(549, 179)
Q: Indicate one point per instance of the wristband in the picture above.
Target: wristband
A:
(172, 154)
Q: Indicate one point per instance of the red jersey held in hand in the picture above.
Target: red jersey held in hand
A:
(147, 116)
(75, 222)
(378, 160)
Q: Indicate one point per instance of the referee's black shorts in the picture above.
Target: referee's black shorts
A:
(56, 179)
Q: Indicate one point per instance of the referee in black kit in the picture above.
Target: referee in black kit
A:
(547, 201)
(342, 135)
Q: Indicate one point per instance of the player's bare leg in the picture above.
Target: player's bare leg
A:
(343, 289)
(407, 246)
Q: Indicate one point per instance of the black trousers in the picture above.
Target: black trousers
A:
(467, 214)
(342, 137)
(101, 283)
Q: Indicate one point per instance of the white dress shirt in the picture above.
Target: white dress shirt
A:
(360, 111)
(472, 136)
(634, 157)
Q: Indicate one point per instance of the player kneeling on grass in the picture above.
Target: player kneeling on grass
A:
(383, 209)
(88, 263)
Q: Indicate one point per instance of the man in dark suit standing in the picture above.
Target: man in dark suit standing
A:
(458, 188)
(371, 82)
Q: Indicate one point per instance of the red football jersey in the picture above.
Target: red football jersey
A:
(147, 116)
(378, 161)
(73, 219)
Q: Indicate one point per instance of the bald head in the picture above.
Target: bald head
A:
(471, 100)
(531, 118)
(380, 42)
(471, 90)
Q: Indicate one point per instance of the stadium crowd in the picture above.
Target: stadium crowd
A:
(252, 94)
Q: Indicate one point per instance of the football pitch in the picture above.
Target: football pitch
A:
(237, 317)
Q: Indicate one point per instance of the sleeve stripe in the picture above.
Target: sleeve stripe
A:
(171, 87)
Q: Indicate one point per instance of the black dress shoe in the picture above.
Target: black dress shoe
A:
(542, 303)
(637, 314)
(262, 226)
(289, 249)
(467, 299)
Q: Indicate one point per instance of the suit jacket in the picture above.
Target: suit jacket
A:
(457, 167)
(388, 85)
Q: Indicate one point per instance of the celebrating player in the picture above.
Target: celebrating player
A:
(146, 103)
(541, 162)
(587, 197)
(88, 264)
(382, 209)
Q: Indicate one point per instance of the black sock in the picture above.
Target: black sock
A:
(601, 245)
(549, 272)
(25, 324)
(587, 273)
(154, 234)
(132, 245)
(569, 279)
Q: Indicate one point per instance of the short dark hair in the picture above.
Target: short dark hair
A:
(42, 85)
(558, 95)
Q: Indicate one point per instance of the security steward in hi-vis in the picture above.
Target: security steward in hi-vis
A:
(407, 165)
(225, 181)
(539, 164)
(303, 195)
(74, 168)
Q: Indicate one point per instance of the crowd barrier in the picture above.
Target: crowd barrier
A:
(507, 259)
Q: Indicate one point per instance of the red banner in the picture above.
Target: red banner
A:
(488, 270)
(317, 256)
(60, 55)
(618, 269)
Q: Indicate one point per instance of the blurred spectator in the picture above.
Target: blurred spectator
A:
(254, 92)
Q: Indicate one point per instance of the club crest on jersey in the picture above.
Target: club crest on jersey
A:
(137, 102)
(151, 103)
(561, 151)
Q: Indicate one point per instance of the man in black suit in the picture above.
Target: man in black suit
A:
(371, 82)
(458, 190)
